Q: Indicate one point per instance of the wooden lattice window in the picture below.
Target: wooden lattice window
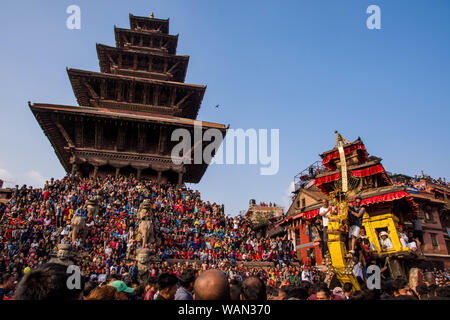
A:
(297, 237)
(434, 242)
(428, 214)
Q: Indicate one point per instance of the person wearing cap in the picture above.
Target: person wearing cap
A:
(385, 242)
(363, 236)
(122, 289)
(306, 274)
(103, 293)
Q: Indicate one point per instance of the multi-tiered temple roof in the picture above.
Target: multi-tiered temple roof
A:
(128, 111)
(366, 177)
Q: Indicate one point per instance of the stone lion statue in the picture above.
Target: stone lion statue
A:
(63, 255)
(144, 209)
(93, 207)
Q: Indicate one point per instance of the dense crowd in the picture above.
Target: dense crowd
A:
(35, 221)
(49, 282)
(424, 177)
(415, 181)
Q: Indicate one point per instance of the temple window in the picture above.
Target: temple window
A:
(127, 61)
(111, 90)
(164, 97)
(297, 237)
(138, 93)
(142, 63)
(428, 214)
(434, 241)
(158, 65)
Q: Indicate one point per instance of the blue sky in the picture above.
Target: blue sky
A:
(304, 67)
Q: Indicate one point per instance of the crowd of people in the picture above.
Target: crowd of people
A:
(209, 246)
(425, 177)
(49, 282)
(415, 181)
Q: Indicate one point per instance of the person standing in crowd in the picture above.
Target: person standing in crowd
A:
(253, 288)
(348, 290)
(48, 282)
(167, 287)
(151, 288)
(122, 289)
(235, 289)
(103, 293)
(212, 285)
(306, 274)
(187, 280)
(325, 211)
(402, 290)
(418, 229)
(186, 227)
(321, 292)
(7, 285)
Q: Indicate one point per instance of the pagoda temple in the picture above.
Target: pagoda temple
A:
(387, 205)
(128, 111)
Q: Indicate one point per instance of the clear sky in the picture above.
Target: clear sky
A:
(305, 67)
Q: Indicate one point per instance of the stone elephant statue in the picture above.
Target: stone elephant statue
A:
(146, 232)
(78, 227)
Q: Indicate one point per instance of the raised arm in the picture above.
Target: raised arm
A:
(325, 212)
(361, 212)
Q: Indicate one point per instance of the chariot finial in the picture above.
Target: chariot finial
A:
(340, 138)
